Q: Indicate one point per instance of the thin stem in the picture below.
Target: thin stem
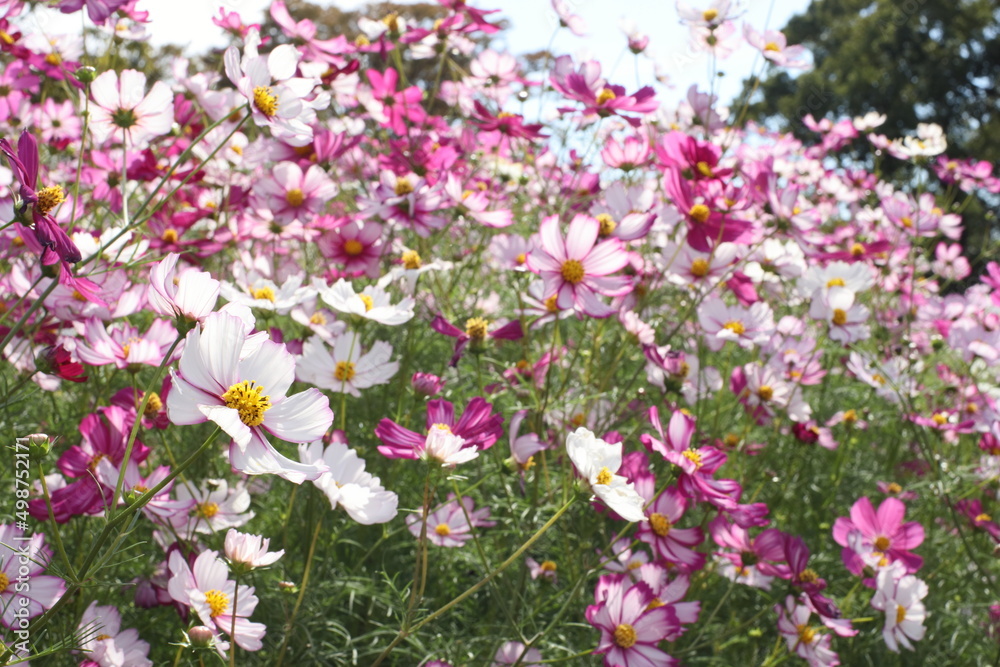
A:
(302, 592)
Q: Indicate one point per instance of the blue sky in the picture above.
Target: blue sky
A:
(188, 23)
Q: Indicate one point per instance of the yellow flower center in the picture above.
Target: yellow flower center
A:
(475, 328)
(771, 46)
(318, 319)
(881, 544)
(572, 271)
(411, 260)
(605, 96)
(625, 636)
(765, 392)
(53, 59)
(907, 221)
(699, 268)
(295, 197)
(367, 300)
(49, 198)
(353, 247)
(265, 101)
(704, 169)
(403, 187)
(550, 304)
(984, 517)
(264, 293)
(443, 530)
(900, 613)
(101, 637)
(604, 477)
(893, 488)
(805, 633)
(217, 601)
(808, 576)
(940, 418)
(660, 524)
(693, 455)
(4, 582)
(548, 566)
(521, 259)
(851, 416)
(699, 213)
(731, 440)
(169, 235)
(608, 224)
(839, 317)
(153, 405)
(247, 398)
(735, 326)
(362, 41)
(857, 249)
(6, 37)
(835, 282)
(344, 371)
(206, 510)
(878, 378)
(710, 15)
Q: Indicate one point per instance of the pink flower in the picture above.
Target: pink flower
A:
(670, 542)
(119, 105)
(805, 641)
(356, 246)
(883, 534)
(476, 332)
(949, 262)
(631, 628)
(106, 644)
(123, 345)
(576, 268)
(448, 526)
(478, 428)
(205, 587)
(598, 96)
(17, 554)
(774, 47)
(291, 195)
(632, 154)
(395, 110)
(847, 318)
(190, 294)
(747, 327)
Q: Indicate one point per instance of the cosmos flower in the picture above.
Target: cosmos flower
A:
(347, 484)
(447, 526)
(598, 461)
(222, 377)
(345, 367)
(120, 107)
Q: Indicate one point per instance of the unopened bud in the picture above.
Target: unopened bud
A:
(38, 444)
(86, 74)
(201, 636)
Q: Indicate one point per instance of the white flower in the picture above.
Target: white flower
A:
(444, 446)
(847, 318)
(345, 369)
(265, 294)
(899, 595)
(348, 485)
(930, 141)
(598, 461)
(373, 303)
(215, 507)
(191, 294)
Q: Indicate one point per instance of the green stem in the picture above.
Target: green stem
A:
(302, 592)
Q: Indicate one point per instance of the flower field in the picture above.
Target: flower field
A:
(395, 348)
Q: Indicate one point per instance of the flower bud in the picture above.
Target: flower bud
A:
(86, 74)
(201, 636)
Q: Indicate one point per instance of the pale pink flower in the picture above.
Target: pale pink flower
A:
(121, 106)
(214, 507)
(899, 595)
(292, 195)
(746, 327)
(123, 345)
(448, 526)
(773, 45)
(207, 589)
(250, 551)
(576, 267)
(190, 293)
(847, 318)
(105, 644)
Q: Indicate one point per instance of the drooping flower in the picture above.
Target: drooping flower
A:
(348, 485)
(478, 428)
(222, 376)
(105, 644)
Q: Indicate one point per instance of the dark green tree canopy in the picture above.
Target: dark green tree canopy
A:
(913, 60)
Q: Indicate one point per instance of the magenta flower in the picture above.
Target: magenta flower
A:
(598, 96)
(292, 195)
(478, 427)
(476, 332)
(56, 244)
(395, 110)
(672, 543)
(630, 629)
(706, 225)
(576, 267)
(883, 533)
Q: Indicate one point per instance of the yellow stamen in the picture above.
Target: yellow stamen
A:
(572, 271)
(605, 96)
(247, 398)
(411, 260)
(699, 213)
(805, 633)
(900, 614)
(608, 224)
(353, 247)
(882, 544)
(318, 319)
(765, 392)
(265, 101)
(49, 198)
(839, 317)
(475, 328)
(367, 300)
(704, 169)
(710, 15)
(265, 293)
(660, 524)
(443, 530)
(295, 197)
(206, 510)
(403, 187)
(694, 456)
(547, 566)
(835, 282)
(217, 601)
(344, 371)
(604, 477)
(625, 636)
(772, 46)
(169, 235)
(735, 326)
